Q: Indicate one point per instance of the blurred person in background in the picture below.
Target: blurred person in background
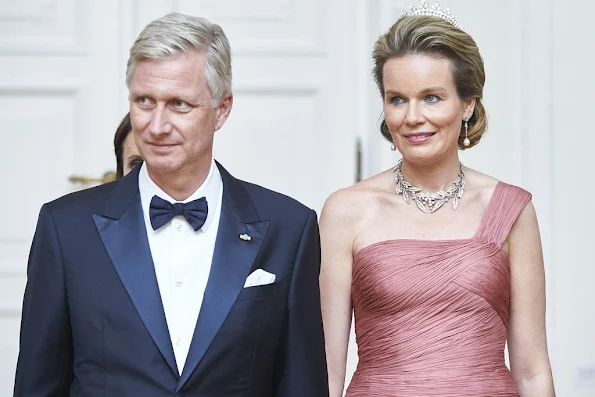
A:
(127, 155)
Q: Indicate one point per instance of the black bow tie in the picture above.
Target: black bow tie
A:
(162, 211)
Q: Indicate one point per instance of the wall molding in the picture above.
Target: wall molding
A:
(57, 44)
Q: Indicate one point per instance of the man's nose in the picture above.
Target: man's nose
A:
(160, 123)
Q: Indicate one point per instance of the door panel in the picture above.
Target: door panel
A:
(54, 62)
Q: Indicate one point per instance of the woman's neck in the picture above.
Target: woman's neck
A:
(431, 177)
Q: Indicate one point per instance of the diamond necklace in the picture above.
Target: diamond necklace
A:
(433, 200)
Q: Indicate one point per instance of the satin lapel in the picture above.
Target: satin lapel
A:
(123, 232)
(233, 259)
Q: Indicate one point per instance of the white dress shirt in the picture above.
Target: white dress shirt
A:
(182, 257)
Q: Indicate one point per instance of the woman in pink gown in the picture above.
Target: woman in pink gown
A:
(440, 264)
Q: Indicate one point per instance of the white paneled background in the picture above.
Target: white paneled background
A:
(303, 97)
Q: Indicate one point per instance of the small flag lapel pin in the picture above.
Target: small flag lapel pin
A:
(245, 237)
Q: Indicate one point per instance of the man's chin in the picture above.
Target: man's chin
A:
(160, 165)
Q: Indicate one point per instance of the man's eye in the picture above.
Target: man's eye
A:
(396, 100)
(180, 104)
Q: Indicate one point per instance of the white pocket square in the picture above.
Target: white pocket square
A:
(259, 277)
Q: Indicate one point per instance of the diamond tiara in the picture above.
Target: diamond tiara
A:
(433, 11)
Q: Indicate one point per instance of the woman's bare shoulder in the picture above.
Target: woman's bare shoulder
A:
(349, 205)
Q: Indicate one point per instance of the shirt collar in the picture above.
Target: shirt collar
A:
(211, 189)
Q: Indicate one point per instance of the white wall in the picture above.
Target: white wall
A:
(573, 154)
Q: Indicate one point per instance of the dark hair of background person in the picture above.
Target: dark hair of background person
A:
(121, 133)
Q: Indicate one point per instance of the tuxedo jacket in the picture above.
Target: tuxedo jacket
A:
(93, 323)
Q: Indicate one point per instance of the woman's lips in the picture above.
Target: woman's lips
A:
(419, 137)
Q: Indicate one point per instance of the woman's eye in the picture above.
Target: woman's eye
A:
(396, 100)
(432, 99)
(134, 162)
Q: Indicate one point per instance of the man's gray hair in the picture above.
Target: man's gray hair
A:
(174, 34)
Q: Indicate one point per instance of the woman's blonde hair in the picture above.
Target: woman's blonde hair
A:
(436, 37)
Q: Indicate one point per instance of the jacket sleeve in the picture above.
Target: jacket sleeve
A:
(44, 366)
(301, 364)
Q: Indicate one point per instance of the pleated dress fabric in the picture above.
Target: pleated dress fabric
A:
(431, 316)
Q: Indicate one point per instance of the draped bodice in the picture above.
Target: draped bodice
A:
(431, 316)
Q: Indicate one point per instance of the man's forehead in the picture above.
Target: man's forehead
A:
(167, 77)
(167, 91)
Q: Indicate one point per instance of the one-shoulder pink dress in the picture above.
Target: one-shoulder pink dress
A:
(431, 315)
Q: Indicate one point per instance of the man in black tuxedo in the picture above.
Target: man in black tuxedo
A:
(178, 279)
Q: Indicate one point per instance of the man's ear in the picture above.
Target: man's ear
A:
(223, 110)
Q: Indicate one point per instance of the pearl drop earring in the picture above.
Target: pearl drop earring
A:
(466, 142)
(392, 147)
